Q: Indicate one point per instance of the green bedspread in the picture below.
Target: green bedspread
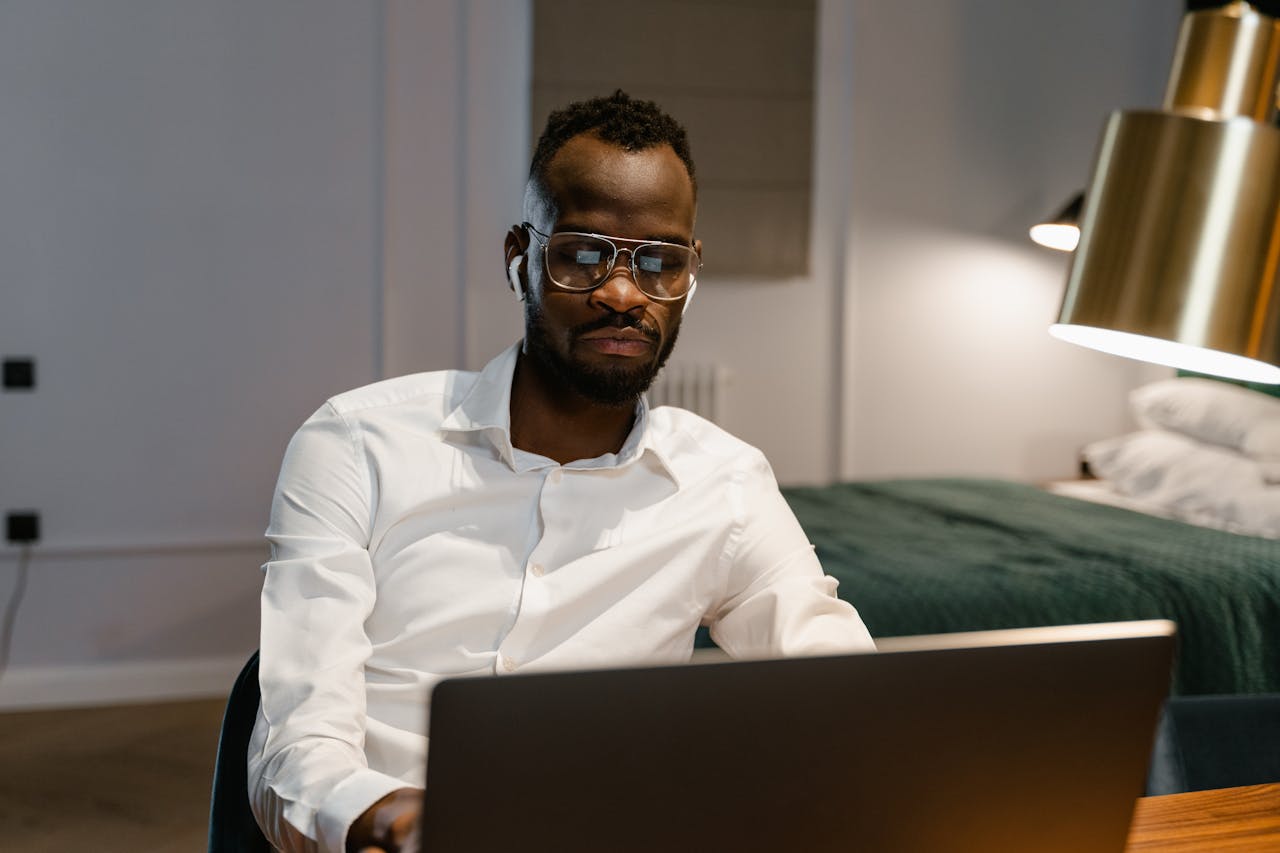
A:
(932, 556)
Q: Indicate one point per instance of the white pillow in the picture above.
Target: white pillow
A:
(1197, 482)
(1217, 412)
(1258, 513)
(1262, 442)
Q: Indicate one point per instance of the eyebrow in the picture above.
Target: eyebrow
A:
(652, 238)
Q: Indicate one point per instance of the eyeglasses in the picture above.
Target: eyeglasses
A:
(581, 262)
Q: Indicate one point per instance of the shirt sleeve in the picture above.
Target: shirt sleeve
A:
(308, 776)
(777, 601)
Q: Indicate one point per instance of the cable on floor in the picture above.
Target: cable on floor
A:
(11, 609)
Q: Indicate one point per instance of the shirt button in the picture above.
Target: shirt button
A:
(556, 475)
(508, 664)
(537, 570)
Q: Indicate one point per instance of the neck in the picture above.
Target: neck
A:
(554, 421)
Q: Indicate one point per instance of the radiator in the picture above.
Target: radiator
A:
(700, 388)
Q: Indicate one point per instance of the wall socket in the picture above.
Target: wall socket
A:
(18, 373)
(22, 527)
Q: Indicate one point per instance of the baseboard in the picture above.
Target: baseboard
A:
(44, 687)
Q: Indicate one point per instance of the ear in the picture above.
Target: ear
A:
(514, 249)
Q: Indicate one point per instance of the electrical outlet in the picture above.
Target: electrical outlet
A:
(22, 526)
(19, 374)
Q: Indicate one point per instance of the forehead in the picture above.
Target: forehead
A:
(598, 185)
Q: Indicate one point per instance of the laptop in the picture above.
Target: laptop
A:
(1029, 739)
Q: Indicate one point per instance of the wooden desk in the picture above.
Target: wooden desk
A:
(1227, 819)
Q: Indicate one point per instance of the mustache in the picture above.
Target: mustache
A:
(618, 321)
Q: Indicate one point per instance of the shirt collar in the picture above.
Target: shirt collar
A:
(486, 408)
(487, 404)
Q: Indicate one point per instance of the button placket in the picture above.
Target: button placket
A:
(534, 601)
(549, 498)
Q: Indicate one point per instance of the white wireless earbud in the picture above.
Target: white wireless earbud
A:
(688, 297)
(513, 276)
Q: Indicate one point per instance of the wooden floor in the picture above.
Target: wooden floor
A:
(113, 779)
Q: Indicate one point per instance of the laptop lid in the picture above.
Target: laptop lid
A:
(1034, 739)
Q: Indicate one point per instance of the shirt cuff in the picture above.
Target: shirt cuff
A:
(346, 802)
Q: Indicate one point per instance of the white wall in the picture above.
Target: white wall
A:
(187, 237)
(972, 118)
(457, 105)
(189, 210)
(214, 217)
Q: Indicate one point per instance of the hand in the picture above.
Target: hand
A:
(388, 826)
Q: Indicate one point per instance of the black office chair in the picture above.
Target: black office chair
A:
(232, 828)
(1206, 742)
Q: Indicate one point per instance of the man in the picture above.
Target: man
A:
(534, 515)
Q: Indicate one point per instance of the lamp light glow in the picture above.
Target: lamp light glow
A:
(1169, 353)
(1053, 235)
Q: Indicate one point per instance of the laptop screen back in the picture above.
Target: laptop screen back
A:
(1004, 741)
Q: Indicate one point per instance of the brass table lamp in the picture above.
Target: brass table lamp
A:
(1180, 232)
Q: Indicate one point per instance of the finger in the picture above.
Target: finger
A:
(412, 842)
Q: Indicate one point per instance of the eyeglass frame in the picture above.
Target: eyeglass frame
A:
(544, 240)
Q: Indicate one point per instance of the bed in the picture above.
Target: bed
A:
(941, 555)
(1181, 521)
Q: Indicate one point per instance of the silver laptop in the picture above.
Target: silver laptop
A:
(1033, 739)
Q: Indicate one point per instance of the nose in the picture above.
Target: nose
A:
(619, 291)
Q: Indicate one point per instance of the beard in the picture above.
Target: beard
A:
(617, 385)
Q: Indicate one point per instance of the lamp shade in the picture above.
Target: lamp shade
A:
(1062, 230)
(1180, 232)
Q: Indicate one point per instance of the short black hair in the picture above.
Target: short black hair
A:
(619, 119)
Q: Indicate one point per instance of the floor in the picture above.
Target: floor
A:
(112, 779)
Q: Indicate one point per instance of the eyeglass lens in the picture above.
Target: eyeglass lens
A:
(581, 261)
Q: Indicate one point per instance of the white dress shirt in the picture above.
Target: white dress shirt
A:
(410, 541)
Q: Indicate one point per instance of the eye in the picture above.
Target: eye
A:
(664, 260)
(649, 263)
(572, 249)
